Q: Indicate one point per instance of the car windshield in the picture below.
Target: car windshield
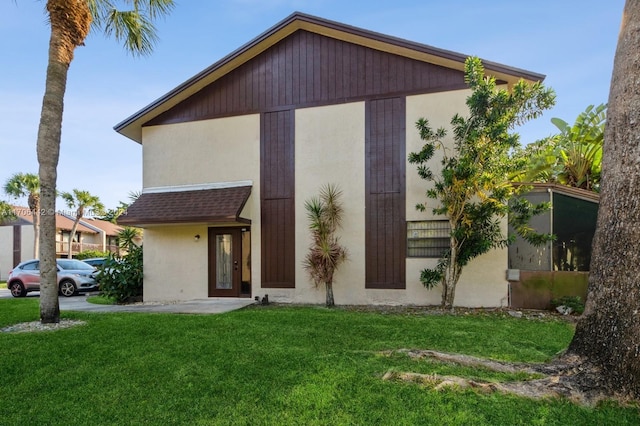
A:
(72, 264)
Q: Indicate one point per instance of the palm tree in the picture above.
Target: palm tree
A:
(127, 238)
(573, 157)
(27, 185)
(6, 212)
(71, 21)
(81, 201)
(325, 253)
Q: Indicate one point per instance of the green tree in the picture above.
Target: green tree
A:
(573, 157)
(607, 337)
(473, 188)
(81, 201)
(325, 253)
(112, 215)
(27, 185)
(71, 22)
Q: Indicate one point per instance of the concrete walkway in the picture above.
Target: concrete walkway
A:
(212, 305)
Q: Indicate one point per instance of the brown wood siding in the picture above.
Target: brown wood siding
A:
(385, 250)
(277, 207)
(17, 244)
(308, 69)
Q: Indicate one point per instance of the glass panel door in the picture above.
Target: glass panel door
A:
(224, 262)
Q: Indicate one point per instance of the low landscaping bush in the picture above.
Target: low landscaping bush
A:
(120, 278)
(568, 305)
(88, 254)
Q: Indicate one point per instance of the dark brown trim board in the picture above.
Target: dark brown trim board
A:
(385, 194)
(277, 208)
(17, 244)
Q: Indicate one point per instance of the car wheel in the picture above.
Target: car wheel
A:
(17, 289)
(67, 288)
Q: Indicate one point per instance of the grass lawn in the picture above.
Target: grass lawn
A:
(270, 366)
(101, 300)
(3, 284)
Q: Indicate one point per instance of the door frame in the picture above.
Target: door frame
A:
(236, 255)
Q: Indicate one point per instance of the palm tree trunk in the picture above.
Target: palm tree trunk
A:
(34, 206)
(49, 134)
(70, 22)
(608, 333)
(72, 235)
(330, 302)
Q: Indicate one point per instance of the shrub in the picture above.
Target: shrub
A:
(574, 303)
(88, 254)
(120, 278)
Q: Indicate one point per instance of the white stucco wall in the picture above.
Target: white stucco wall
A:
(329, 148)
(6, 251)
(483, 282)
(200, 152)
(206, 151)
(175, 265)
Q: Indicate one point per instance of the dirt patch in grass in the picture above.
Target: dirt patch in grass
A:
(529, 314)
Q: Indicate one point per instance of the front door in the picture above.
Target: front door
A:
(225, 269)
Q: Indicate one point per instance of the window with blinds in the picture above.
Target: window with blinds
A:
(428, 238)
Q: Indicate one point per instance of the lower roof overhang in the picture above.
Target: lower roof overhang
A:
(211, 205)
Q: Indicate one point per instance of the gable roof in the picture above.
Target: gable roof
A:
(132, 126)
(66, 224)
(110, 229)
(24, 216)
(569, 191)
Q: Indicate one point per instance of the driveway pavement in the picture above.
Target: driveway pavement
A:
(212, 305)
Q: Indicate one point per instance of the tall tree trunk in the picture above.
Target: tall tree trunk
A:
(70, 21)
(608, 334)
(451, 276)
(330, 302)
(49, 134)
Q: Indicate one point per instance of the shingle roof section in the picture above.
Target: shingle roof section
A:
(24, 216)
(205, 205)
(109, 228)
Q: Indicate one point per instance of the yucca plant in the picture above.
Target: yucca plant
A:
(325, 252)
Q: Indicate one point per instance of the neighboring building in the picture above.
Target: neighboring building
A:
(231, 155)
(559, 268)
(16, 241)
(82, 240)
(17, 238)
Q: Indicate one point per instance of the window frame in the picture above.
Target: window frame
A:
(435, 235)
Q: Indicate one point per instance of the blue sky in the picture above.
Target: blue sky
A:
(572, 42)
